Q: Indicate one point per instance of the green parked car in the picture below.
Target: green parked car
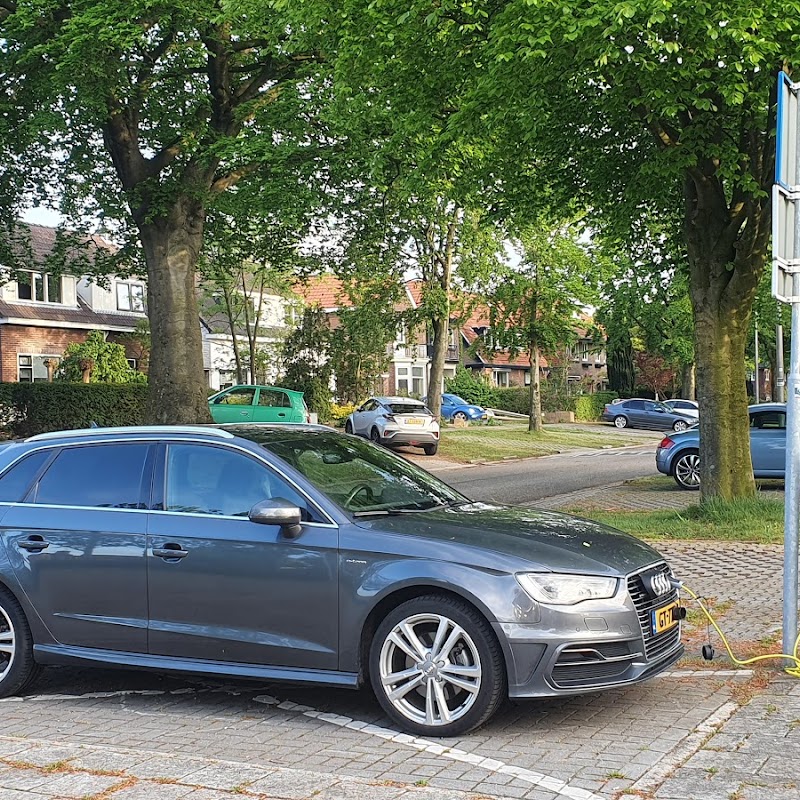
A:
(258, 404)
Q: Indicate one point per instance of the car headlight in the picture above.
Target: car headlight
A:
(566, 590)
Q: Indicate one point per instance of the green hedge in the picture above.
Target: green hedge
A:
(589, 407)
(30, 408)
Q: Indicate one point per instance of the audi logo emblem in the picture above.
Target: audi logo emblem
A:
(657, 584)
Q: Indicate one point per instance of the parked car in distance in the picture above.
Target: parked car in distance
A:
(298, 553)
(638, 413)
(258, 404)
(394, 421)
(688, 408)
(456, 408)
(679, 453)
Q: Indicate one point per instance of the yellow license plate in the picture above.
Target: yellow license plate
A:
(414, 421)
(664, 618)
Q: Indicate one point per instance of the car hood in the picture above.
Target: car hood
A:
(514, 539)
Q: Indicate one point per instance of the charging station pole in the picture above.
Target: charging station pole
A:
(786, 288)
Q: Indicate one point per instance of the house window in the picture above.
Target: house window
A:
(39, 287)
(418, 380)
(501, 378)
(32, 369)
(527, 377)
(133, 363)
(585, 352)
(130, 297)
(402, 380)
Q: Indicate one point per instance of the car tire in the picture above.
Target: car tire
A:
(17, 667)
(431, 704)
(348, 427)
(680, 425)
(461, 416)
(620, 421)
(686, 470)
(374, 436)
(431, 449)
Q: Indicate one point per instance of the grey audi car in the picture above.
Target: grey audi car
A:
(302, 554)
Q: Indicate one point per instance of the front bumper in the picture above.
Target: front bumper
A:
(575, 652)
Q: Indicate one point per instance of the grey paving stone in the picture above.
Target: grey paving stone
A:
(225, 776)
(145, 790)
(293, 785)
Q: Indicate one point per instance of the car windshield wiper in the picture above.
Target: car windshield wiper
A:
(397, 510)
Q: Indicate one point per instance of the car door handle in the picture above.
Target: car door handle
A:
(170, 551)
(244, 413)
(34, 544)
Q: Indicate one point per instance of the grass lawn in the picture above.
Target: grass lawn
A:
(511, 440)
(758, 519)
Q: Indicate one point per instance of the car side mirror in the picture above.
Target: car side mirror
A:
(278, 511)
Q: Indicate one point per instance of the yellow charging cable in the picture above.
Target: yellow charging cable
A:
(793, 670)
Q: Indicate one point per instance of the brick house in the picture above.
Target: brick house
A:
(41, 313)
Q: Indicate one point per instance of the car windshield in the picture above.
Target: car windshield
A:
(455, 400)
(407, 408)
(360, 477)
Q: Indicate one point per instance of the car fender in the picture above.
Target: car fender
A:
(496, 595)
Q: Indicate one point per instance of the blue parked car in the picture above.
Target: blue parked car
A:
(679, 453)
(455, 407)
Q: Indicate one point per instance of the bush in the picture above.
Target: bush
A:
(472, 388)
(30, 408)
(589, 407)
(339, 413)
(515, 399)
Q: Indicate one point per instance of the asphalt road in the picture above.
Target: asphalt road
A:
(523, 481)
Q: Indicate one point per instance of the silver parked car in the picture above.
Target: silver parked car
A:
(392, 421)
(689, 408)
(298, 553)
(638, 413)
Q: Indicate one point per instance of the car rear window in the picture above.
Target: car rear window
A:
(407, 408)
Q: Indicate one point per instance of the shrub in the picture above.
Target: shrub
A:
(30, 408)
(471, 387)
(339, 413)
(106, 361)
(515, 399)
(589, 407)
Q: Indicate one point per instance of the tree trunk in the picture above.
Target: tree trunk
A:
(237, 357)
(721, 337)
(688, 382)
(172, 243)
(441, 331)
(535, 402)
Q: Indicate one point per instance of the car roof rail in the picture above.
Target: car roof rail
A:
(167, 429)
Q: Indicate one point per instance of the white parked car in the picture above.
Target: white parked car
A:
(397, 421)
(689, 408)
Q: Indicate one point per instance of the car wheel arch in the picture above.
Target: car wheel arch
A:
(41, 633)
(396, 596)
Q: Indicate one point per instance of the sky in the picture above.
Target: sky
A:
(42, 216)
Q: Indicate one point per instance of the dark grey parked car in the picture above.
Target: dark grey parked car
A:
(302, 554)
(645, 414)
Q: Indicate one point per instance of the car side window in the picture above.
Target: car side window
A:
(370, 405)
(634, 405)
(237, 397)
(274, 399)
(96, 476)
(15, 482)
(768, 420)
(204, 479)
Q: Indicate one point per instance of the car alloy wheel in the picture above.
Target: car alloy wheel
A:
(621, 422)
(461, 416)
(348, 427)
(686, 471)
(7, 644)
(436, 667)
(680, 425)
(17, 667)
(374, 436)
